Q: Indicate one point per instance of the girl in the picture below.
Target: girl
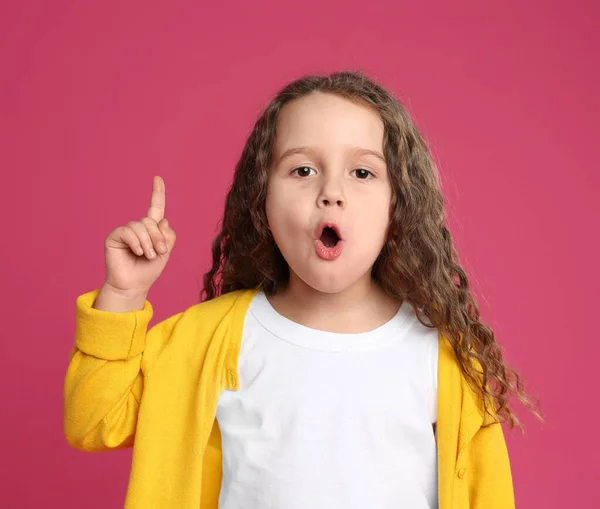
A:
(336, 358)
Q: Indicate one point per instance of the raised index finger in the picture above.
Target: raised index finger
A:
(157, 201)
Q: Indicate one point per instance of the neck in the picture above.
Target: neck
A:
(361, 307)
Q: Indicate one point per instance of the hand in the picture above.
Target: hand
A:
(133, 256)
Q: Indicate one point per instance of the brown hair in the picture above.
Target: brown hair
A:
(418, 261)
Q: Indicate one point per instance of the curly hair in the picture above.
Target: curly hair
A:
(418, 262)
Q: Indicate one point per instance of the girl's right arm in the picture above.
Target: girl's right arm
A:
(105, 377)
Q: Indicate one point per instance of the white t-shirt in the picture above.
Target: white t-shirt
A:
(329, 420)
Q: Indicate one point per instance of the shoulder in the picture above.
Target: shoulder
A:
(231, 304)
(453, 375)
(223, 301)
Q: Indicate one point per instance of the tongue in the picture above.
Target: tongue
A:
(329, 237)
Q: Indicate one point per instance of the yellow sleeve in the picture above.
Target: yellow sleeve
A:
(105, 376)
(489, 474)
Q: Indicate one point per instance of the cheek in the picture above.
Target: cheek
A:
(272, 205)
(375, 216)
(283, 214)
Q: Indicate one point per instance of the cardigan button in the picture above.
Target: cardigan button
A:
(462, 472)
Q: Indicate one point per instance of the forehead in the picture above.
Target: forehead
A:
(328, 122)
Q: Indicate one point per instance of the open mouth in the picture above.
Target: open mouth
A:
(330, 243)
(329, 237)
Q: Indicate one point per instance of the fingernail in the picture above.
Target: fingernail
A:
(162, 248)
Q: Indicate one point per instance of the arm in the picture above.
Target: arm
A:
(490, 479)
(104, 381)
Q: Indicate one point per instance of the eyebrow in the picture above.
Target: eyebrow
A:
(309, 150)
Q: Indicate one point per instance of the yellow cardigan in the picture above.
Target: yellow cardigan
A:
(158, 391)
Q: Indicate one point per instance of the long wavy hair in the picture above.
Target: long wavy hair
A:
(418, 262)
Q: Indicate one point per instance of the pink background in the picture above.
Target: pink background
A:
(96, 98)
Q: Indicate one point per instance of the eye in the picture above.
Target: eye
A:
(301, 173)
(363, 174)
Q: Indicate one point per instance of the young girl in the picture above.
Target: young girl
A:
(336, 358)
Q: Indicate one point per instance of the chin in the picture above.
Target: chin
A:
(330, 284)
(331, 277)
(329, 288)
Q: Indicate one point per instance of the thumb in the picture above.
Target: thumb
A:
(167, 231)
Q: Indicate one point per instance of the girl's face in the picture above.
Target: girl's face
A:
(328, 166)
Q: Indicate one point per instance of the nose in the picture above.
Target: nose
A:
(326, 202)
(331, 193)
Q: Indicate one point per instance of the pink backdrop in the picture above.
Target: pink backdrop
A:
(96, 98)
